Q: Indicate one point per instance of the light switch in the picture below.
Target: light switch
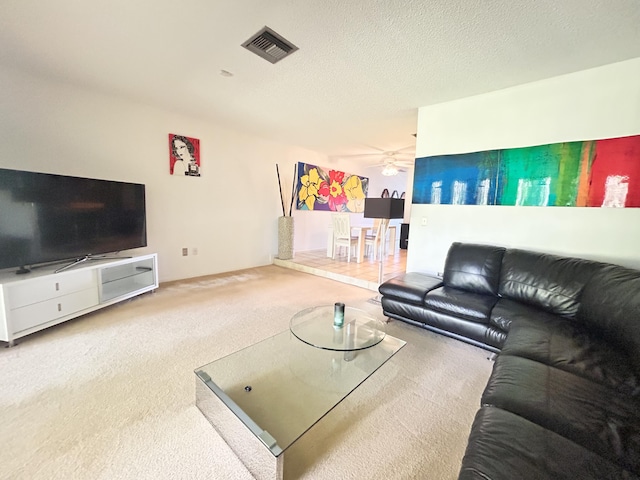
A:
(423, 222)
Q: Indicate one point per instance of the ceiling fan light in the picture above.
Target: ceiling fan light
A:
(389, 171)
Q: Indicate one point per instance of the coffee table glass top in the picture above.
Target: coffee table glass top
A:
(359, 330)
(281, 386)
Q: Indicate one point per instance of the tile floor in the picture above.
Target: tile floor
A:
(363, 274)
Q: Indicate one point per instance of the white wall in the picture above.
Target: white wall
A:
(229, 214)
(593, 104)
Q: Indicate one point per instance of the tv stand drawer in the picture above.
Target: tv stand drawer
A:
(51, 286)
(40, 313)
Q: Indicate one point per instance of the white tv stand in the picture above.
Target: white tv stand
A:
(42, 298)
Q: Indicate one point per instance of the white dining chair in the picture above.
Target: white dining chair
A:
(342, 234)
(373, 240)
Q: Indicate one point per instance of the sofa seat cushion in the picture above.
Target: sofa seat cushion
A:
(480, 334)
(506, 312)
(483, 333)
(560, 343)
(410, 287)
(548, 282)
(396, 308)
(504, 446)
(475, 268)
(460, 303)
(585, 412)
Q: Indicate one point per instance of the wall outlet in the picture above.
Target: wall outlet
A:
(185, 252)
(194, 251)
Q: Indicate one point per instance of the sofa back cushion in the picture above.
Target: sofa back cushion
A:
(474, 268)
(611, 306)
(549, 282)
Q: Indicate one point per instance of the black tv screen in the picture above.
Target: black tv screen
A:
(46, 218)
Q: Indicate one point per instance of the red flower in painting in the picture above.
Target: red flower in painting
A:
(337, 196)
(336, 176)
(323, 189)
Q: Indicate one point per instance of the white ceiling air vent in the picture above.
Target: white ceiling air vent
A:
(269, 45)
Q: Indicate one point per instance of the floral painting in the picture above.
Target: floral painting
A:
(330, 190)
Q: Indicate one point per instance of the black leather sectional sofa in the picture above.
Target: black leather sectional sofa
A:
(563, 400)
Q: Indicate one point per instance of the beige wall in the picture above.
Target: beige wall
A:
(229, 214)
(598, 103)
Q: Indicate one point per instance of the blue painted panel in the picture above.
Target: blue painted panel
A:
(465, 179)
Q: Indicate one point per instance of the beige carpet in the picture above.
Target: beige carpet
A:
(111, 395)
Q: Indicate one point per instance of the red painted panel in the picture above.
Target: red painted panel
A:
(615, 173)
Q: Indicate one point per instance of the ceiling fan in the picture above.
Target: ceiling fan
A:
(392, 161)
(392, 164)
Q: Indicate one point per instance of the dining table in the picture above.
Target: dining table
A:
(360, 231)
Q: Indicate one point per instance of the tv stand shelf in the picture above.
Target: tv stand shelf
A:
(121, 279)
(41, 299)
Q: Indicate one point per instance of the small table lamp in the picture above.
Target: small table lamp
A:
(386, 208)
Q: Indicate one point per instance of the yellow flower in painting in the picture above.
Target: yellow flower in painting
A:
(355, 194)
(335, 190)
(309, 189)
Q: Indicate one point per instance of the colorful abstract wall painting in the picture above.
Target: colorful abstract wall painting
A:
(594, 173)
(330, 190)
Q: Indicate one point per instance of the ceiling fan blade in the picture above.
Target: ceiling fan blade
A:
(413, 147)
(374, 148)
(358, 155)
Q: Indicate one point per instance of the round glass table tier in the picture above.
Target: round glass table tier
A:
(315, 327)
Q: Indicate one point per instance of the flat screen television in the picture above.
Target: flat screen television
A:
(47, 218)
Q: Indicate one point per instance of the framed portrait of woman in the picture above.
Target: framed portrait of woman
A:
(184, 155)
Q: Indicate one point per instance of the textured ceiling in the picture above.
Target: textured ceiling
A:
(362, 71)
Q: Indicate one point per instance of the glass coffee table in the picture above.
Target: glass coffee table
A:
(264, 397)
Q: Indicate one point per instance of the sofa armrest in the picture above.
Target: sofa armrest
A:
(410, 287)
